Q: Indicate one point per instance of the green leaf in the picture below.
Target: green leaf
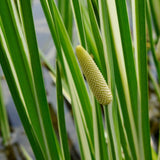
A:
(79, 21)
(92, 49)
(49, 136)
(85, 141)
(19, 102)
(61, 117)
(13, 47)
(121, 77)
(140, 51)
(124, 140)
(155, 6)
(100, 143)
(21, 63)
(4, 124)
(111, 110)
(97, 38)
(73, 67)
(154, 154)
(149, 27)
(64, 7)
(128, 56)
(124, 108)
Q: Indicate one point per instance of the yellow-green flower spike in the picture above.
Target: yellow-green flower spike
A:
(94, 77)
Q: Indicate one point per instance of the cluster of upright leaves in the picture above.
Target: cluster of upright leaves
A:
(104, 31)
(99, 37)
(20, 62)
